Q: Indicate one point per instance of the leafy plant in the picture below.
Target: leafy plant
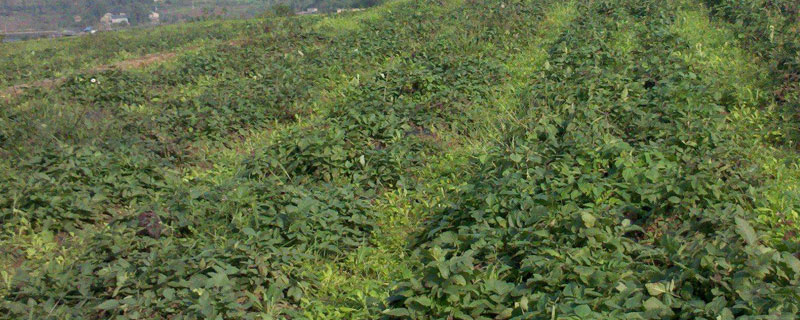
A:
(422, 159)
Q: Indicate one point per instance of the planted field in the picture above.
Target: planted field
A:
(606, 159)
(29, 61)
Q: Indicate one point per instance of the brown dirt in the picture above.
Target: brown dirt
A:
(658, 227)
(139, 62)
(150, 224)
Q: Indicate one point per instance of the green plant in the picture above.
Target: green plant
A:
(282, 10)
(422, 159)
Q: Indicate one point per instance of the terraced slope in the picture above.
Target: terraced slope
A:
(606, 159)
(26, 62)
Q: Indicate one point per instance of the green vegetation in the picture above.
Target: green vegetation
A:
(29, 61)
(606, 159)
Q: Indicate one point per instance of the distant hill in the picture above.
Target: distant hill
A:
(17, 15)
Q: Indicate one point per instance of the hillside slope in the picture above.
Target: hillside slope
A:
(605, 159)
